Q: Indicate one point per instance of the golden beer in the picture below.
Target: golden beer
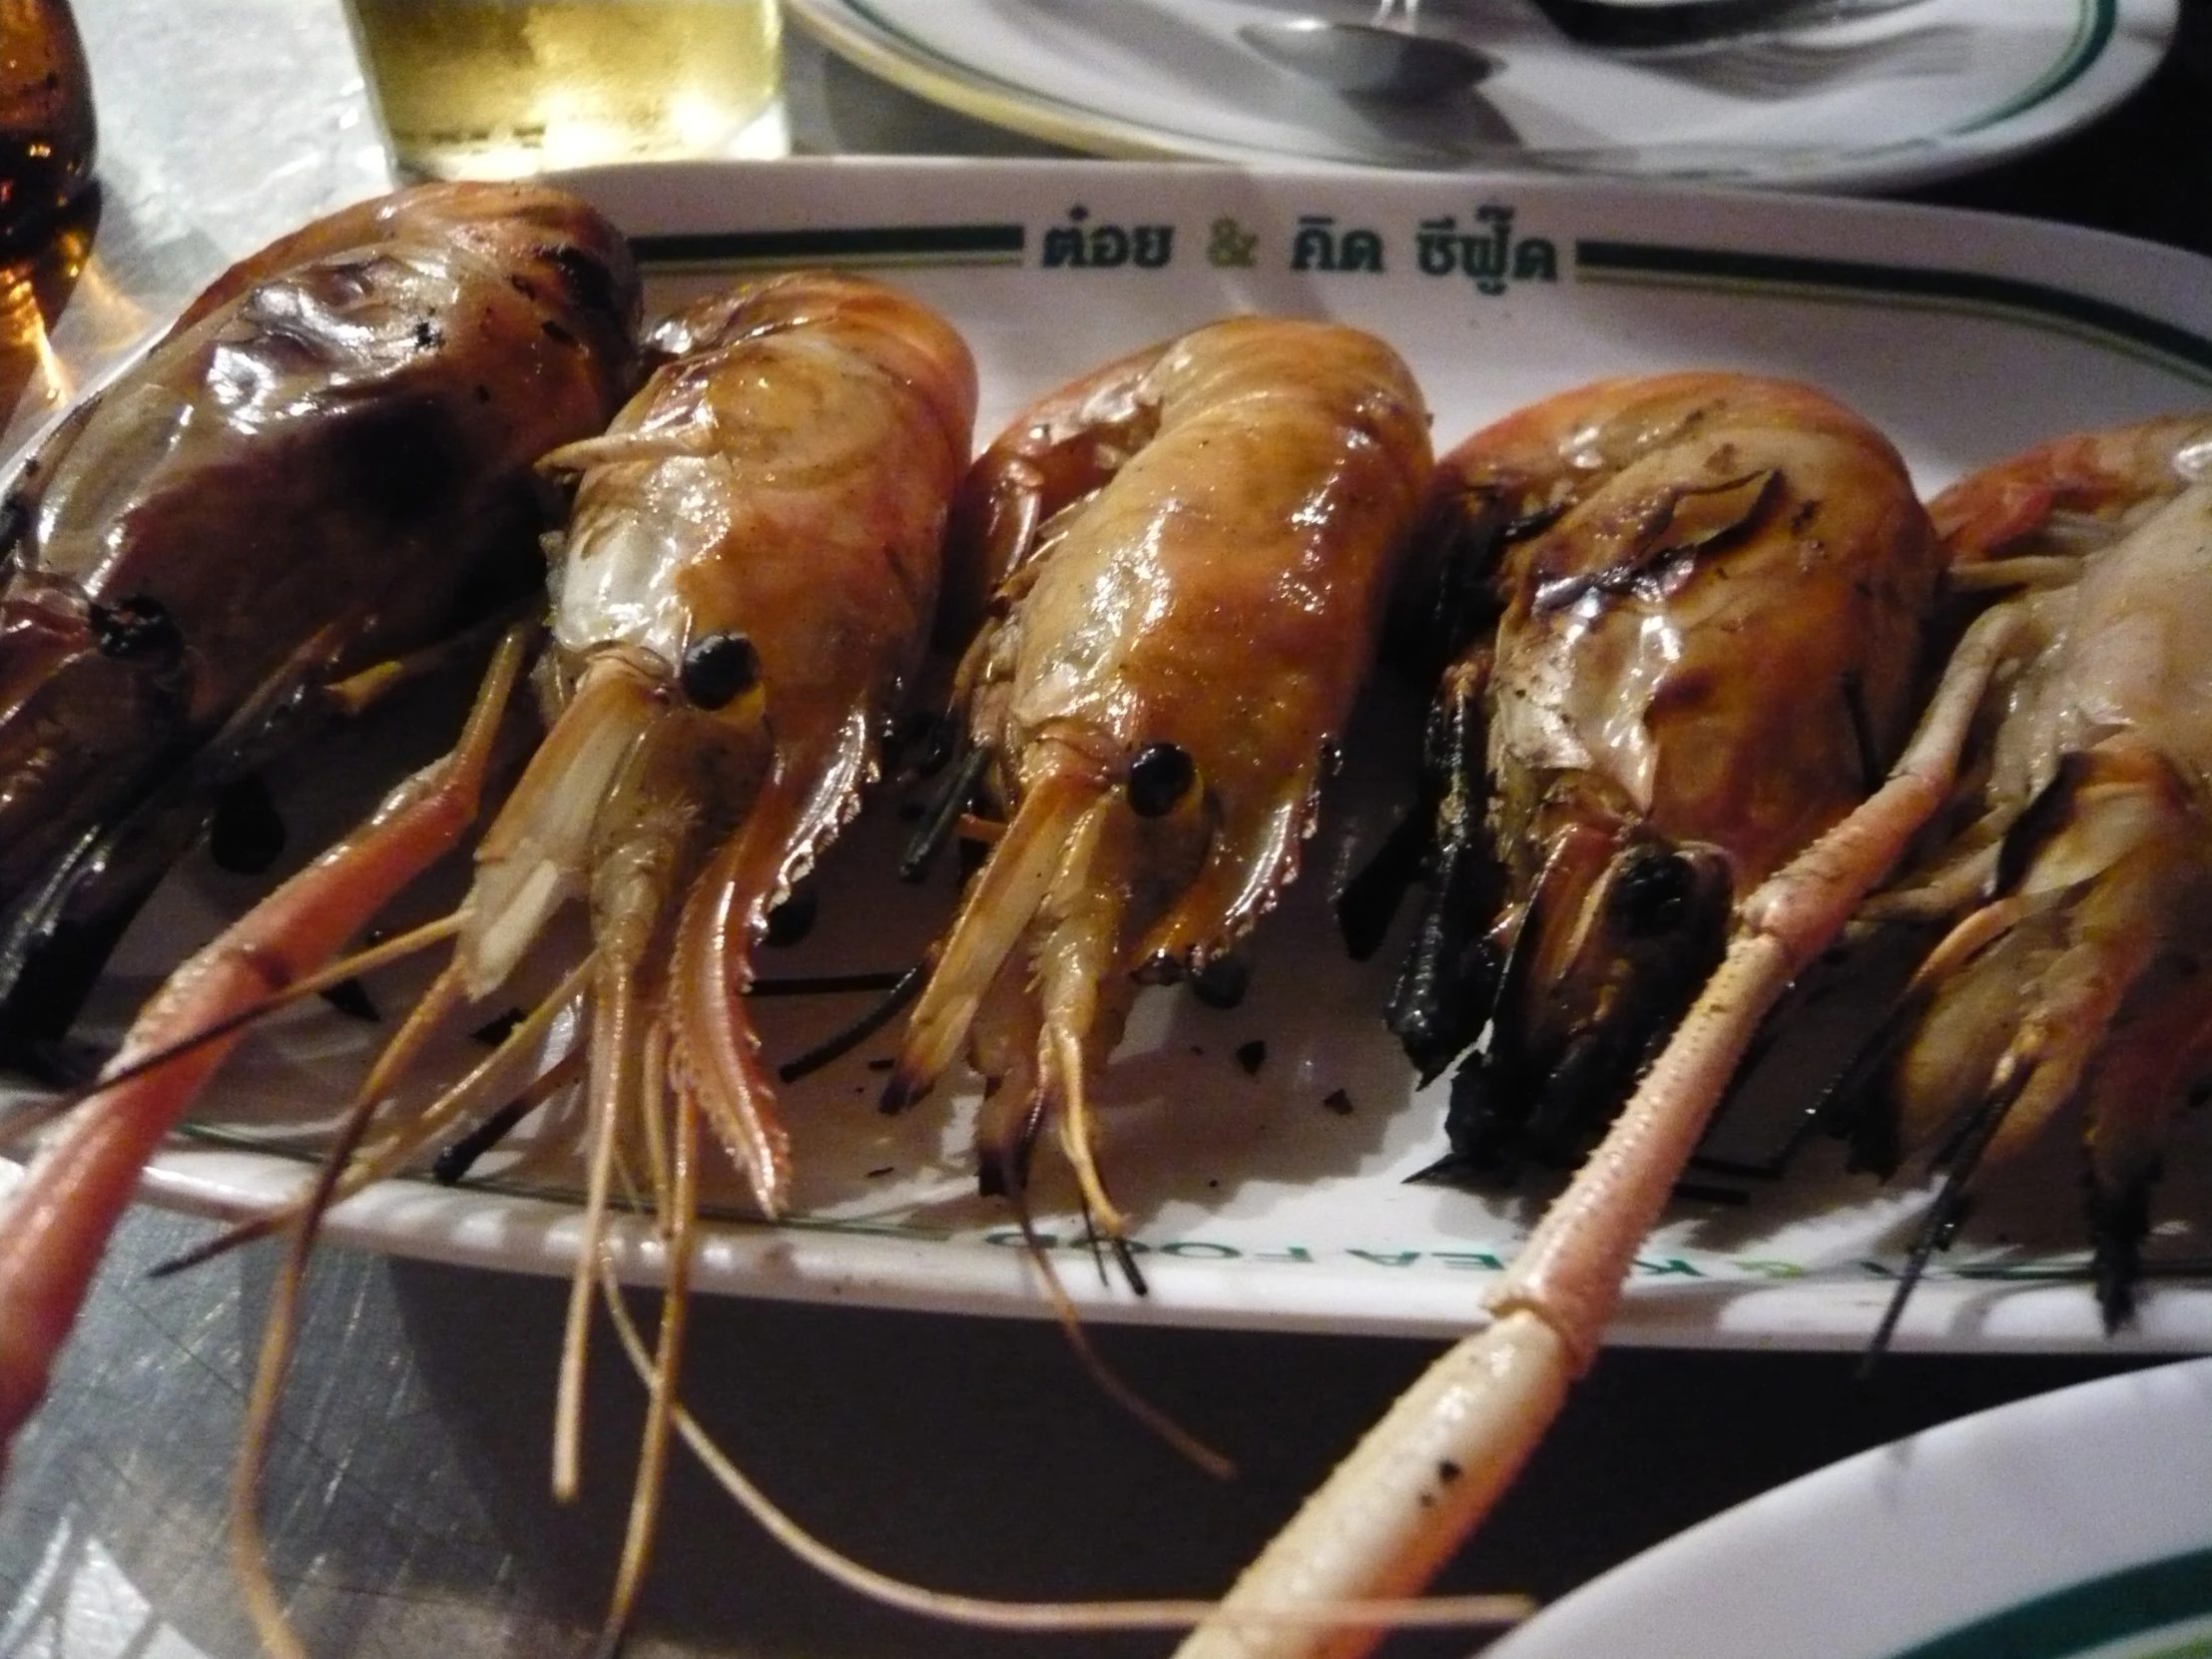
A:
(493, 89)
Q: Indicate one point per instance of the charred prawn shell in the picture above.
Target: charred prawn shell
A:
(1680, 619)
(324, 465)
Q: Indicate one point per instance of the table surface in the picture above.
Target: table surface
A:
(406, 1499)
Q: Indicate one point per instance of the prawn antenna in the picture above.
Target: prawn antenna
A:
(248, 1546)
(489, 1080)
(1941, 1224)
(1101, 1244)
(1110, 1381)
(986, 1613)
(368, 960)
(941, 813)
(900, 991)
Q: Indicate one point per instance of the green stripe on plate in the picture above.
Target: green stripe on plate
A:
(2093, 33)
(2138, 1601)
(879, 244)
(1851, 279)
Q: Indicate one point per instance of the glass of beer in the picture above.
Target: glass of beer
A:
(501, 89)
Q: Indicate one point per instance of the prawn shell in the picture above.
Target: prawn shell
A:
(775, 495)
(784, 477)
(330, 469)
(1224, 593)
(1740, 684)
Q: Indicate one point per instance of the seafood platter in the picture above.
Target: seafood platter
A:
(1407, 754)
(1262, 1152)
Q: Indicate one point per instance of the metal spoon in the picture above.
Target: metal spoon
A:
(1369, 60)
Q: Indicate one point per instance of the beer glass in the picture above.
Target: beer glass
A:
(498, 89)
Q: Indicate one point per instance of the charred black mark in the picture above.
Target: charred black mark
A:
(1534, 522)
(1339, 1102)
(904, 989)
(453, 1164)
(2044, 815)
(1861, 731)
(1369, 900)
(1222, 982)
(558, 332)
(588, 280)
(1683, 528)
(1252, 1056)
(135, 629)
(15, 519)
(941, 813)
(824, 984)
(1652, 894)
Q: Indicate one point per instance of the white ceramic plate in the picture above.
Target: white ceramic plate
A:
(2073, 1524)
(1938, 88)
(1269, 1190)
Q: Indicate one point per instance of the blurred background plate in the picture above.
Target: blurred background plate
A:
(2073, 1524)
(1931, 90)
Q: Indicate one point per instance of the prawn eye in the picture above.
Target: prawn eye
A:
(1159, 776)
(1652, 894)
(718, 669)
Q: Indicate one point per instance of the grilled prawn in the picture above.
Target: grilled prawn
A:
(2069, 732)
(746, 581)
(1696, 604)
(1653, 773)
(1192, 548)
(324, 466)
(2077, 897)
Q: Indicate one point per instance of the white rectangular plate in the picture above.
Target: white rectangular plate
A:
(1269, 1189)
